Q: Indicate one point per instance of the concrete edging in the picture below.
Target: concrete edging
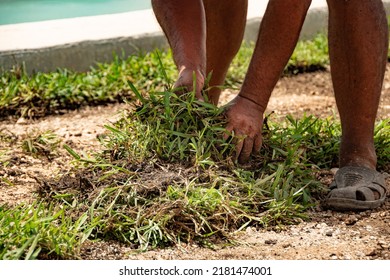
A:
(79, 56)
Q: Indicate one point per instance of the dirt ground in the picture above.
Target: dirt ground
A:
(327, 235)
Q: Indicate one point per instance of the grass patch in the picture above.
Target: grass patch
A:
(165, 175)
(308, 56)
(47, 93)
(7, 138)
(41, 94)
(38, 230)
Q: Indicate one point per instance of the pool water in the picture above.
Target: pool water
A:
(18, 11)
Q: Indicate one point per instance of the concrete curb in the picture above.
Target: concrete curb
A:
(80, 56)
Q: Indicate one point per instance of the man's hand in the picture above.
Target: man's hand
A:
(245, 120)
(187, 80)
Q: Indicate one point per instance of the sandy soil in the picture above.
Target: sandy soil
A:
(327, 235)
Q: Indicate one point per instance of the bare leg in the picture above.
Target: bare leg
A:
(188, 23)
(184, 24)
(226, 22)
(279, 33)
(358, 41)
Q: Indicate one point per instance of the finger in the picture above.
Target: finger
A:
(229, 131)
(257, 144)
(199, 96)
(246, 150)
(180, 89)
(239, 143)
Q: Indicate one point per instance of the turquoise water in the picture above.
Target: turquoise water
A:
(17, 11)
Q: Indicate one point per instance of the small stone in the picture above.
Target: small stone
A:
(249, 230)
(384, 244)
(321, 225)
(270, 241)
(370, 252)
(329, 233)
(21, 121)
(351, 220)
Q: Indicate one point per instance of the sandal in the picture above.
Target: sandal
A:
(356, 188)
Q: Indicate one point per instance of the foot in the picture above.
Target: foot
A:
(356, 188)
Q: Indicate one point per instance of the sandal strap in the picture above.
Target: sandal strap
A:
(349, 176)
(351, 180)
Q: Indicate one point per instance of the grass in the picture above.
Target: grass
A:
(308, 56)
(38, 143)
(29, 231)
(48, 93)
(311, 55)
(163, 179)
(41, 94)
(6, 139)
(164, 174)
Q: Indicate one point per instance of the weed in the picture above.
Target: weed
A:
(40, 143)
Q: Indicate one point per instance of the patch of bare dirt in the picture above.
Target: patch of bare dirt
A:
(78, 129)
(328, 235)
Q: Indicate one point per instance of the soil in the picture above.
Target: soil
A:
(326, 235)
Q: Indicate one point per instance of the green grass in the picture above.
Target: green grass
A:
(164, 175)
(41, 94)
(311, 55)
(308, 56)
(30, 231)
(48, 93)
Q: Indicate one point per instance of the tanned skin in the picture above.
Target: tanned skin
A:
(205, 36)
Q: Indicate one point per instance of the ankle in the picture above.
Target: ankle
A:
(352, 156)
